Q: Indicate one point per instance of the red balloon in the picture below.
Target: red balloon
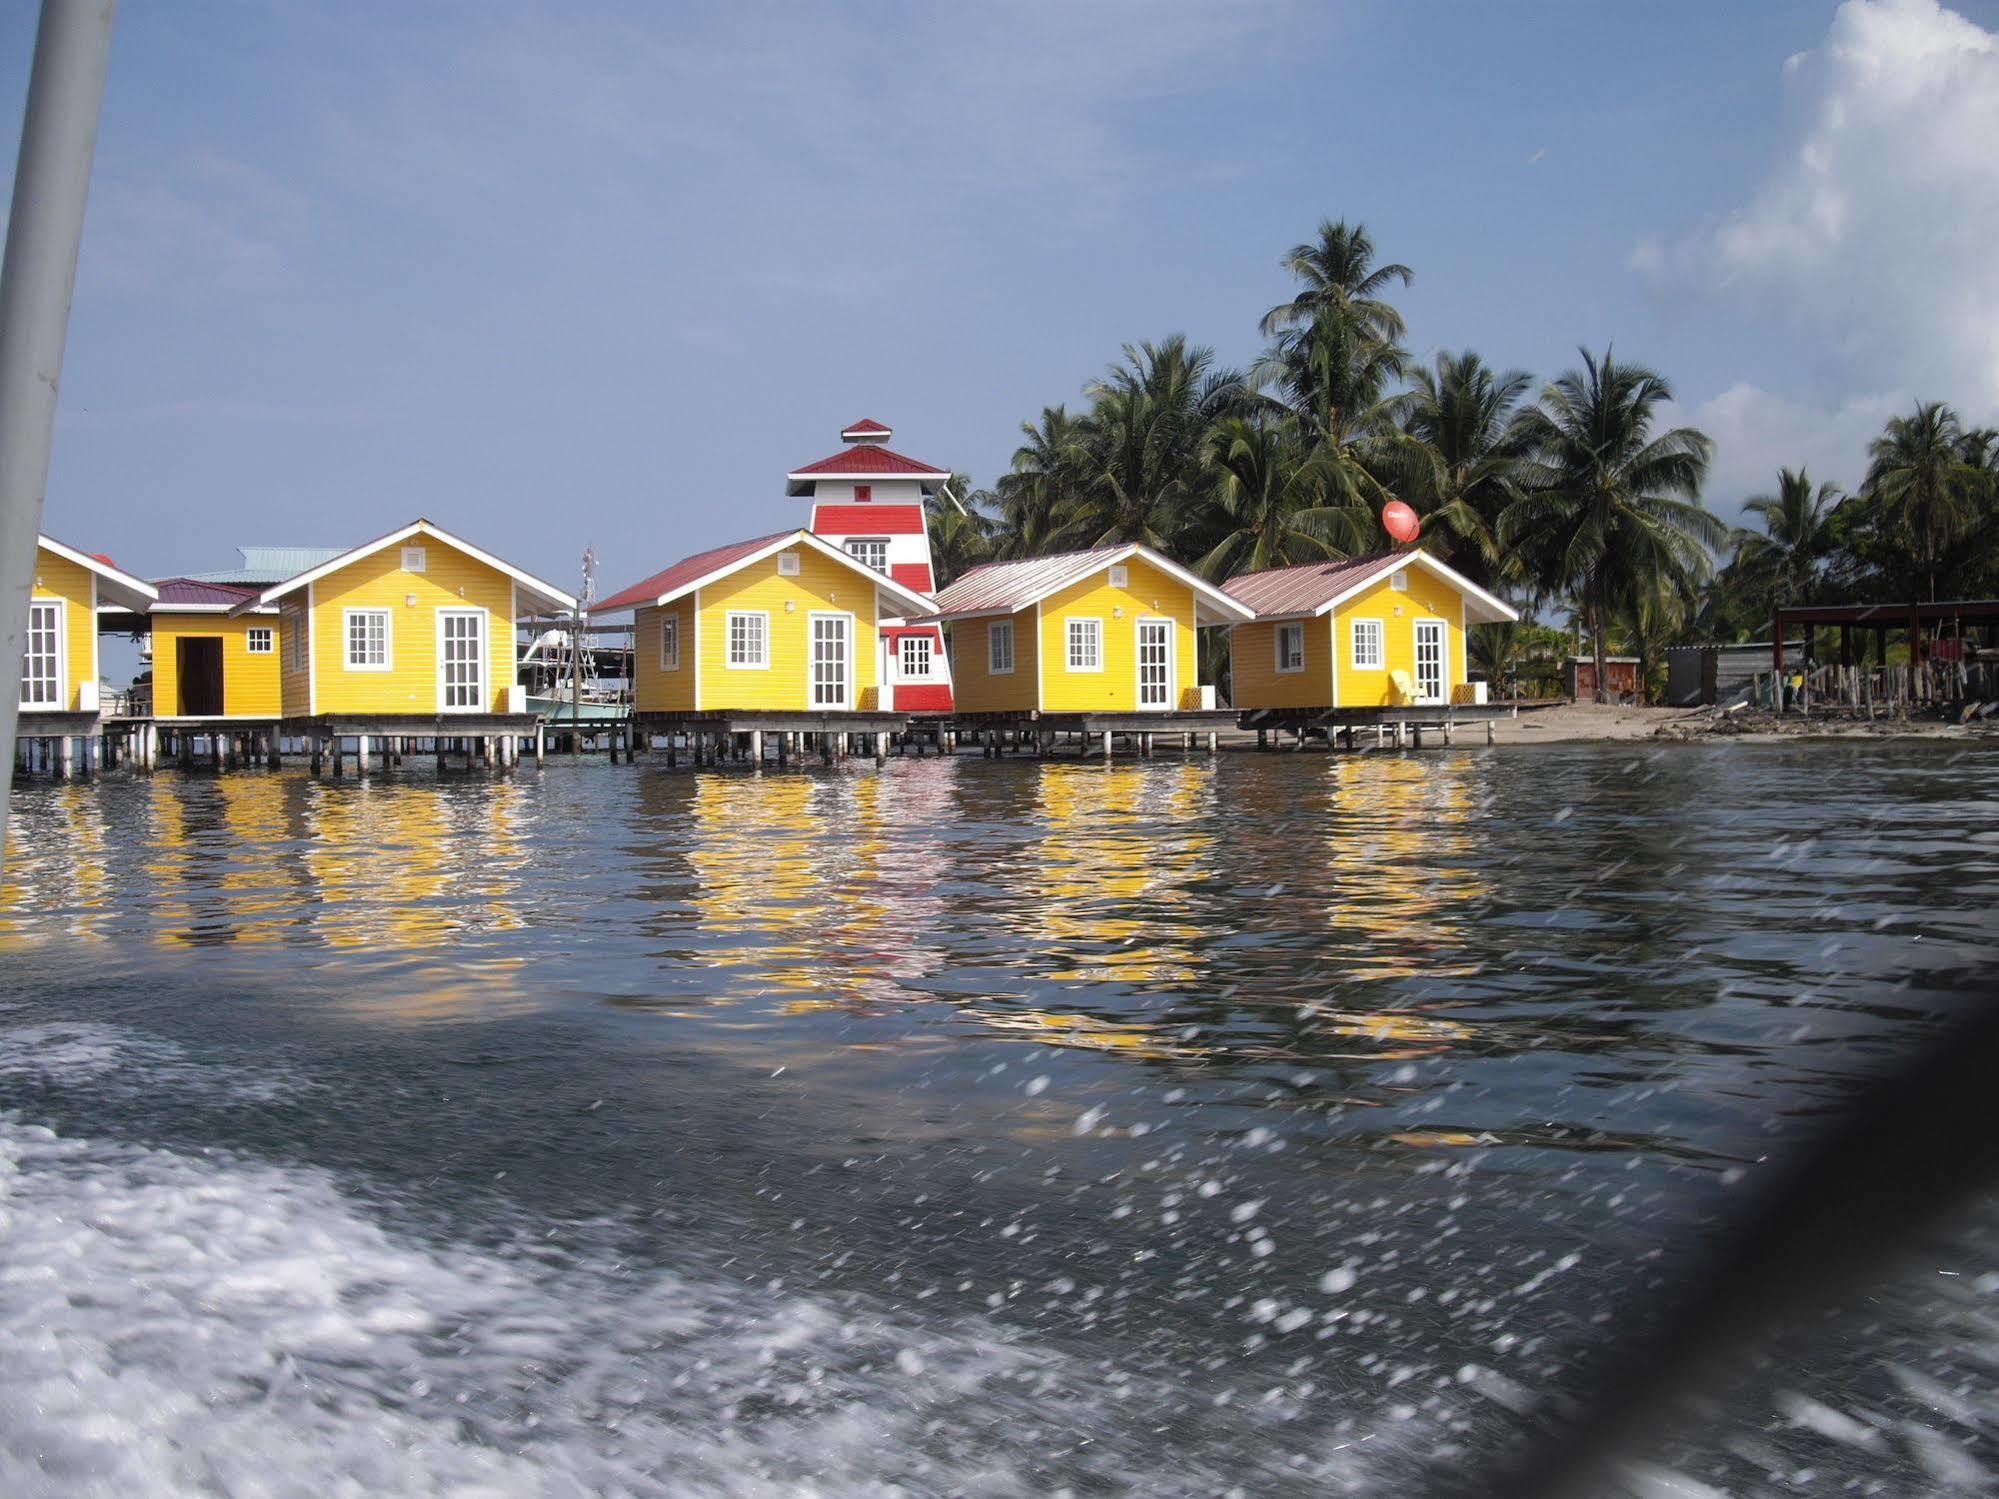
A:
(1399, 521)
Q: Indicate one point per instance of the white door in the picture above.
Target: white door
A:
(461, 660)
(831, 676)
(1429, 661)
(41, 656)
(1155, 663)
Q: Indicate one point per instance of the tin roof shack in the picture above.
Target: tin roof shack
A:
(1620, 678)
(1705, 675)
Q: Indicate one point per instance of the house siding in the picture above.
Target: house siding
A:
(59, 578)
(1255, 681)
(450, 580)
(978, 690)
(821, 584)
(1428, 597)
(250, 684)
(1148, 593)
(654, 689)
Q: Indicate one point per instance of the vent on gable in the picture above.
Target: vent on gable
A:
(787, 564)
(1399, 582)
(413, 560)
(1120, 576)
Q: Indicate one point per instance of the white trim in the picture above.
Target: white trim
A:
(483, 702)
(1277, 652)
(669, 619)
(249, 647)
(516, 698)
(1172, 661)
(1416, 627)
(694, 643)
(96, 647)
(62, 700)
(117, 576)
(902, 671)
(347, 613)
(422, 560)
(547, 592)
(1380, 662)
(1466, 588)
(311, 659)
(172, 609)
(904, 594)
(1011, 647)
(729, 619)
(847, 616)
(1069, 621)
(1040, 657)
(807, 476)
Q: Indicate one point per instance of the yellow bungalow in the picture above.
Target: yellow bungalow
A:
(785, 624)
(1378, 632)
(210, 664)
(409, 634)
(1107, 631)
(60, 672)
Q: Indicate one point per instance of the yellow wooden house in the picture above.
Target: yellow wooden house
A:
(785, 623)
(417, 625)
(210, 663)
(1110, 630)
(59, 661)
(1383, 631)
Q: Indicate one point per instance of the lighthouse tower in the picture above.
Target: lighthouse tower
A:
(868, 500)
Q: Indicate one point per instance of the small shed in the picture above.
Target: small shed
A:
(1620, 672)
(1698, 675)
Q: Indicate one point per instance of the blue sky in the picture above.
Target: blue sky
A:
(559, 275)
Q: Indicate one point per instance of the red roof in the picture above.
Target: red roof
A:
(193, 591)
(867, 520)
(866, 427)
(868, 458)
(685, 571)
(1308, 586)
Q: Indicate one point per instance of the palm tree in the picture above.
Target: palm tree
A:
(1339, 272)
(1924, 478)
(1036, 498)
(1270, 502)
(1608, 508)
(1459, 472)
(961, 529)
(1143, 460)
(1786, 561)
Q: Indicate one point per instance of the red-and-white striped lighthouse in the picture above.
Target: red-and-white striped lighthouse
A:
(868, 500)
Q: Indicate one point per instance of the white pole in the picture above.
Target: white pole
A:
(37, 278)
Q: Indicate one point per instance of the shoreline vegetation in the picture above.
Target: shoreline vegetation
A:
(1569, 501)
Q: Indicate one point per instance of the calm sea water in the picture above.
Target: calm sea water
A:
(1277, 1124)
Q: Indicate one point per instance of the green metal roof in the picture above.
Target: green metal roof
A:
(269, 564)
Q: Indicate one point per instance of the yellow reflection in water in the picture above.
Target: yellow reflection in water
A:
(1403, 859)
(56, 883)
(1108, 882)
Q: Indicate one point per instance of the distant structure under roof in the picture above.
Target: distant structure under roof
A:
(263, 566)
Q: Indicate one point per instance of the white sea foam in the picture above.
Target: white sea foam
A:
(88, 1053)
(174, 1324)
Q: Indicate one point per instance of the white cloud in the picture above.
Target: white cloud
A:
(1876, 231)
(1756, 432)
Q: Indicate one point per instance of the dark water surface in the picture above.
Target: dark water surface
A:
(1277, 1124)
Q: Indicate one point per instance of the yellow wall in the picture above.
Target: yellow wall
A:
(660, 691)
(1255, 681)
(294, 687)
(1428, 597)
(451, 579)
(59, 578)
(249, 683)
(1148, 592)
(974, 689)
(784, 686)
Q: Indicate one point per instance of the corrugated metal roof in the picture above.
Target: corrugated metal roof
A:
(684, 572)
(266, 565)
(1308, 586)
(200, 591)
(867, 426)
(1003, 587)
(867, 458)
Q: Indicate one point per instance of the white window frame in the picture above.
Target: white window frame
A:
(1416, 629)
(669, 642)
(1094, 635)
(1282, 658)
(787, 564)
(875, 544)
(996, 631)
(60, 657)
(270, 645)
(347, 617)
(482, 702)
(762, 617)
(907, 673)
(1120, 576)
(1380, 631)
(415, 560)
